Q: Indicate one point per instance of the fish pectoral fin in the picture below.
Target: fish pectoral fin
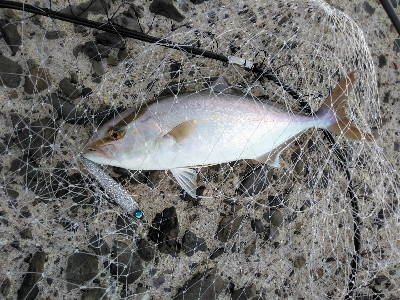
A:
(187, 179)
(272, 158)
(220, 85)
(182, 131)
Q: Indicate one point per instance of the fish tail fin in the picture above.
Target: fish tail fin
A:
(333, 110)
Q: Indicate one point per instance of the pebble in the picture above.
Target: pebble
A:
(55, 34)
(110, 40)
(159, 281)
(10, 72)
(228, 227)
(76, 190)
(208, 285)
(255, 181)
(382, 61)
(271, 233)
(81, 267)
(167, 9)
(257, 225)
(93, 51)
(10, 192)
(192, 244)
(197, 1)
(251, 249)
(99, 245)
(274, 216)
(145, 251)
(244, 293)
(217, 253)
(67, 111)
(165, 231)
(98, 68)
(29, 288)
(69, 89)
(5, 287)
(37, 80)
(37, 140)
(128, 21)
(368, 8)
(125, 225)
(175, 69)
(94, 294)
(299, 165)
(299, 262)
(11, 36)
(26, 233)
(24, 167)
(126, 265)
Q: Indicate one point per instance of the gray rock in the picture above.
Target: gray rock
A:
(93, 51)
(257, 225)
(244, 293)
(98, 245)
(5, 286)
(11, 36)
(81, 267)
(26, 234)
(55, 34)
(191, 243)
(299, 262)
(126, 265)
(228, 227)
(145, 251)
(67, 111)
(69, 89)
(167, 9)
(98, 68)
(37, 80)
(271, 233)
(217, 253)
(250, 249)
(159, 281)
(24, 167)
(95, 294)
(29, 288)
(110, 40)
(122, 54)
(274, 216)
(256, 181)
(165, 231)
(10, 72)
(10, 192)
(205, 286)
(197, 1)
(125, 225)
(382, 61)
(368, 8)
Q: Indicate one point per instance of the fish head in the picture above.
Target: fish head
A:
(124, 141)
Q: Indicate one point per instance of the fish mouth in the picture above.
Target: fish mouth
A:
(106, 151)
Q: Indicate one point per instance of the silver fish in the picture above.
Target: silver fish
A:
(211, 127)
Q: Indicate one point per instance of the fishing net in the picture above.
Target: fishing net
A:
(306, 230)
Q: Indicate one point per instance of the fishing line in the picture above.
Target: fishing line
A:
(263, 73)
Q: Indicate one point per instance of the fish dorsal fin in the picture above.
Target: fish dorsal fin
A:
(182, 131)
(221, 85)
(272, 158)
(187, 179)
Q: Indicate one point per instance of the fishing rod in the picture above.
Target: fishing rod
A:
(260, 70)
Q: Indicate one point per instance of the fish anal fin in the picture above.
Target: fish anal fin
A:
(187, 179)
(220, 85)
(182, 131)
(272, 157)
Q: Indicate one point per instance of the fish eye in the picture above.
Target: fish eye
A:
(115, 133)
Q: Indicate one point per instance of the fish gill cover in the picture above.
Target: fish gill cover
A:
(322, 226)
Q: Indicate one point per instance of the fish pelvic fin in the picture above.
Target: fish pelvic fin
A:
(334, 109)
(187, 179)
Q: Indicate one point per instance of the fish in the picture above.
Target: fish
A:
(217, 125)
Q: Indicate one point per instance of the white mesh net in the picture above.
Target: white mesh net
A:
(64, 237)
